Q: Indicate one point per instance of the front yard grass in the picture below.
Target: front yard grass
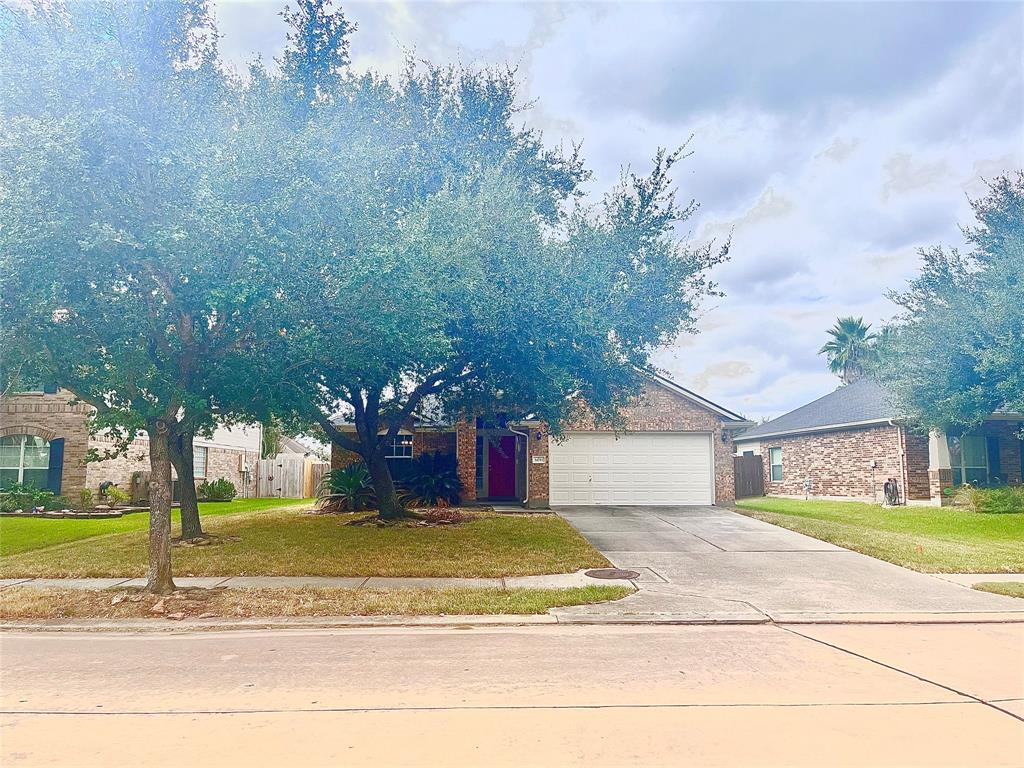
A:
(1008, 588)
(290, 543)
(22, 534)
(927, 539)
(20, 603)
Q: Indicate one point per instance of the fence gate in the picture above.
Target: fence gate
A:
(281, 479)
(749, 476)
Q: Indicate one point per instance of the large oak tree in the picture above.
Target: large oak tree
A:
(137, 225)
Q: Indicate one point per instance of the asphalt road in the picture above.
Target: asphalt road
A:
(894, 695)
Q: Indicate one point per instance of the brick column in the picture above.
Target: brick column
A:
(537, 474)
(465, 455)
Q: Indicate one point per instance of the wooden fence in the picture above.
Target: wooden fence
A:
(749, 471)
(288, 478)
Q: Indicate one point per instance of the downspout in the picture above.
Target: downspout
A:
(526, 469)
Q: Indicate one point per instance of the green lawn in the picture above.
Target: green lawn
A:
(1008, 588)
(290, 543)
(21, 534)
(928, 539)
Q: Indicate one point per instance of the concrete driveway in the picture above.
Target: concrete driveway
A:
(710, 563)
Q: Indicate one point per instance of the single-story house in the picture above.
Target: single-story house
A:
(847, 444)
(44, 439)
(675, 447)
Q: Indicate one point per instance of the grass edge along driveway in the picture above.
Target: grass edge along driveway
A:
(290, 543)
(922, 538)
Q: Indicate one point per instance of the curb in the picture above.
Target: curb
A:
(194, 626)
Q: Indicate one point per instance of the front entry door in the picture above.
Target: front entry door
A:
(501, 467)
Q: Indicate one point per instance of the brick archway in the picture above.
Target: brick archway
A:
(25, 429)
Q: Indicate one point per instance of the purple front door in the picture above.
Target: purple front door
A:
(501, 467)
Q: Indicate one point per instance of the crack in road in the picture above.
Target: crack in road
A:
(949, 688)
(486, 708)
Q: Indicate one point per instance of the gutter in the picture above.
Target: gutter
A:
(806, 430)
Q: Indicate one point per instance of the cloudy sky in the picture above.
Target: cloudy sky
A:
(831, 139)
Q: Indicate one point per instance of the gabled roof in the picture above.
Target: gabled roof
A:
(671, 386)
(862, 402)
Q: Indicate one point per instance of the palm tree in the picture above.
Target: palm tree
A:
(850, 346)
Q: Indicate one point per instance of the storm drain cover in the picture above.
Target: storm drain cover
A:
(612, 573)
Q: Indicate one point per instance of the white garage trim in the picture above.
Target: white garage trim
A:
(632, 468)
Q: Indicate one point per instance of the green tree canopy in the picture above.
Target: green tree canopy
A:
(454, 262)
(138, 249)
(956, 353)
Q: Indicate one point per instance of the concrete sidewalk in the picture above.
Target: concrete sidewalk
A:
(550, 581)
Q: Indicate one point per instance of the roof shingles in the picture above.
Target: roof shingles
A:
(864, 400)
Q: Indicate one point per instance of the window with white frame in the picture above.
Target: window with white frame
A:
(24, 459)
(775, 462)
(968, 457)
(399, 447)
(200, 456)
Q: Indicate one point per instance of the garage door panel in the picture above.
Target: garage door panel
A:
(634, 468)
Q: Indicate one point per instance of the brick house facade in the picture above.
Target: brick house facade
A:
(63, 424)
(662, 409)
(849, 464)
(847, 444)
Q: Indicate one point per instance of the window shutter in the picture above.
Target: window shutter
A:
(53, 476)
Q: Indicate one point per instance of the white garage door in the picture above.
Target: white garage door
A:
(655, 468)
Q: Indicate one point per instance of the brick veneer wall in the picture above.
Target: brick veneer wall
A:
(837, 463)
(226, 463)
(465, 456)
(52, 416)
(220, 462)
(1008, 434)
(659, 410)
(918, 484)
(427, 441)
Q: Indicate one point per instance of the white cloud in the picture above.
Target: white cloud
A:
(832, 140)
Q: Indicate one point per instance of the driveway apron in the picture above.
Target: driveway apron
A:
(713, 564)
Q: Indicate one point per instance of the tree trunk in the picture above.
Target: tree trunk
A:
(388, 505)
(182, 459)
(159, 580)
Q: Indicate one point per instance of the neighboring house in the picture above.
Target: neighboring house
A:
(675, 448)
(44, 439)
(846, 445)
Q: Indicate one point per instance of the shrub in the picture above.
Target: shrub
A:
(1001, 500)
(431, 480)
(117, 496)
(346, 490)
(27, 496)
(85, 499)
(220, 489)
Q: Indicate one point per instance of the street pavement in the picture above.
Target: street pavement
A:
(713, 564)
(760, 695)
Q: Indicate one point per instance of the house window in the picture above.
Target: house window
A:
(775, 460)
(24, 459)
(968, 458)
(200, 455)
(400, 447)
